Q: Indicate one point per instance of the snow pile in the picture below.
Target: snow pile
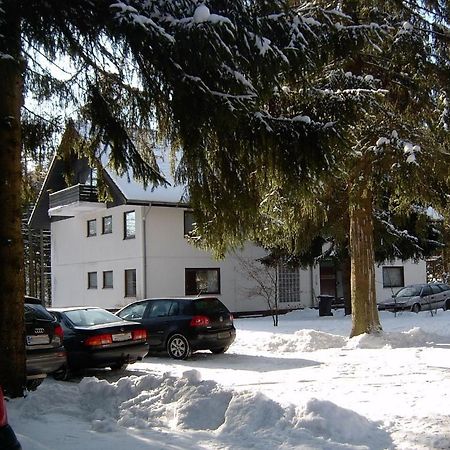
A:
(303, 341)
(239, 419)
(415, 337)
(327, 420)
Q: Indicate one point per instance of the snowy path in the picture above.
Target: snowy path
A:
(302, 386)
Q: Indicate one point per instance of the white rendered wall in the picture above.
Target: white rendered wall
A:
(168, 254)
(74, 255)
(413, 273)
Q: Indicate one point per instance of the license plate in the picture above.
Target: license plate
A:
(121, 337)
(224, 335)
(38, 339)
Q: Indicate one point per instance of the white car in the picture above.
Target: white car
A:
(418, 297)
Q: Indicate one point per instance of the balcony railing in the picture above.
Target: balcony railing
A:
(73, 194)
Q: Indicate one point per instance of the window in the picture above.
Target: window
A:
(435, 289)
(133, 312)
(92, 227)
(108, 279)
(107, 225)
(92, 280)
(159, 308)
(130, 283)
(393, 277)
(202, 281)
(130, 225)
(288, 284)
(189, 223)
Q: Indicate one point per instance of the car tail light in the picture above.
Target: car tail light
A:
(199, 321)
(231, 318)
(139, 334)
(59, 333)
(3, 416)
(101, 339)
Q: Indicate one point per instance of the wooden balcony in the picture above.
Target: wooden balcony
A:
(73, 200)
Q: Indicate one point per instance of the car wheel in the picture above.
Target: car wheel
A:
(118, 366)
(446, 306)
(415, 308)
(63, 374)
(178, 347)
(218, 351)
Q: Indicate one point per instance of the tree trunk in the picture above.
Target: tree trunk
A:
(364, 306)
(12, 343)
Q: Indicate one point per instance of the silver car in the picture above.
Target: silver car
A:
(418, 297)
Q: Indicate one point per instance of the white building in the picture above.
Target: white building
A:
(134, 247)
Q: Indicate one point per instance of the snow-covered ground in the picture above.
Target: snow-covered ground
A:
(303, 385)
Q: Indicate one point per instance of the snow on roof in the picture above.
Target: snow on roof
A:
(134, 191)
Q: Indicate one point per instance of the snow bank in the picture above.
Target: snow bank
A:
(239, 419)
(304, 341)
(415, 337)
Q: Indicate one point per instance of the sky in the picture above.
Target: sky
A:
(303, 385)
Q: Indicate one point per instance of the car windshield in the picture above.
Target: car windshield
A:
(90, 317)
(36, 312)
(409, 291)
(210, 306)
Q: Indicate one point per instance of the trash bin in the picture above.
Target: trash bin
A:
(325, 305)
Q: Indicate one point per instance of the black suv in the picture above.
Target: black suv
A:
(183, 325)
(43, 343)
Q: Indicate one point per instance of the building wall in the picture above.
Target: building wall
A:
(414, 272)
(162, 271)
(74, 255)
(167, 255)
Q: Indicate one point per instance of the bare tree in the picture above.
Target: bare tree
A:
(265, 283)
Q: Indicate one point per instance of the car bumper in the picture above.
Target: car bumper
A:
(212, 340)
(107, 356)
(42, 362)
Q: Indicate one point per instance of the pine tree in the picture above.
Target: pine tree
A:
(211, 76)
(388, 102)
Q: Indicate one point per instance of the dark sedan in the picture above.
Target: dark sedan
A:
(183, 325)
(8, 440)
(43, 342)
(96, 338)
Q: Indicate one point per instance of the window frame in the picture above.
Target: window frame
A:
(128, 294)
(199, 269)
(104, 231)
(390, 284)
(104, 279)
(91, 286)
(89, 234)
(125, 229)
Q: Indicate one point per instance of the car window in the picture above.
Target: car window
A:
(444, 287)
(426, 290)
(174, 309)
(36, 312)
(210, 306)
(408, 291)
(90, 317)
(159, 308)
(435, 289)
(133, 312)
